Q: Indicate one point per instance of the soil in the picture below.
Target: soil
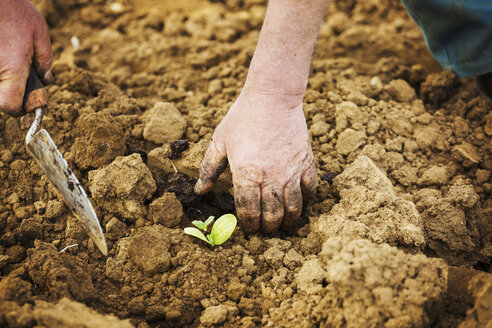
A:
(400, 232)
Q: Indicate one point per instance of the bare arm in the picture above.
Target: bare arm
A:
(264, 135)
(283, 54)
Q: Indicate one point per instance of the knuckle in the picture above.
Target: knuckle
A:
(292, 209)
(248, 213)
(11, 99)
(273, 217)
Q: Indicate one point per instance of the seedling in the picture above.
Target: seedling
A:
(221, 230)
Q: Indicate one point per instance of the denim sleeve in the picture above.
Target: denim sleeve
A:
(458, 33)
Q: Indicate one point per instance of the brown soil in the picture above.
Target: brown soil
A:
(402, 237)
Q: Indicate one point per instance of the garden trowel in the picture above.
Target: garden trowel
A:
(43, 150)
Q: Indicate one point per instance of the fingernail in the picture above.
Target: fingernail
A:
(48, 78)
(198, 186)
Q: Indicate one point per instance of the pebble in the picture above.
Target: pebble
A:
(436, 175)
(349, 140)
(214, 315)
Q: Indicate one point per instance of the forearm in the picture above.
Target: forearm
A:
(282, 58)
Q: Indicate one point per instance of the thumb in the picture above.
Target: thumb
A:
(43, 54)
(12, 86)
(213, 164)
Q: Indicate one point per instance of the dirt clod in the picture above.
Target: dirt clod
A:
(149, 249)
(123, 186)
(163, 123)
(166, 210)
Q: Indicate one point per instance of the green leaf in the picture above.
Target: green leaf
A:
(223, 229)
(209, 220)
(196, 233)
(198, 224)
(203, 225)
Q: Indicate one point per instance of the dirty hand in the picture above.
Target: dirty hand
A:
(265, 140)
(24, 39)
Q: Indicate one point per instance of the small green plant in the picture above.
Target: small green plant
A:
(221, 230)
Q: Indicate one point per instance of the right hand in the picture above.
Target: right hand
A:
(264, 138)
(24, 40)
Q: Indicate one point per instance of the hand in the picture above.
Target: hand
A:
(24, 39)
(264, 137)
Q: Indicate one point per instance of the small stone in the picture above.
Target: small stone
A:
(357, 97)
(136, 305)
(23, 212)
(461, 128)
(292, 259)
(320, 117)
(163, 123)
(54, 209)
(425, 118)
(6, 156)
(430, 136)
(400, 90)
(166, 210)
(410, 146)
(436, 175)
(30, 229)
(406, 175)
(376, 83)
(373, 127)
(274, 256)
(349, 140)
(279, 243)
(248, 306)
(395, 144)
(467, 151)
(214, 315)
(482, 175)
(115, 229)
(255, 245)
(319, 128)
(214, 87)
(236, 290)
(18, 165)
(310, 274)
(248, 264)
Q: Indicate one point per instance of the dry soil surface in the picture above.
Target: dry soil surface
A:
(400, 232)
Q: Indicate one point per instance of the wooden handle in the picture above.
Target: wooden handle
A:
(35, 95)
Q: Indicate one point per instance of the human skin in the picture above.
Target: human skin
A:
(264, 136)
(24, 40)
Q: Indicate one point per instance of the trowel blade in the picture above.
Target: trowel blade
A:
(44, 151)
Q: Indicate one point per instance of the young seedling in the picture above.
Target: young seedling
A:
(221, 230)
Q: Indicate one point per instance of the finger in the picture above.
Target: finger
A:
(309, 181)
(12, 86)
(272, 208)
(43, 54)
(293, 204)
(213, 164)
(248, 206)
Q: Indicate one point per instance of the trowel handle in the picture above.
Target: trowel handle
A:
(35, 95)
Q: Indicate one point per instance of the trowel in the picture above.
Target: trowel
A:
(42, 148)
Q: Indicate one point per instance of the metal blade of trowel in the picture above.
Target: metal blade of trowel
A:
(42, 148)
